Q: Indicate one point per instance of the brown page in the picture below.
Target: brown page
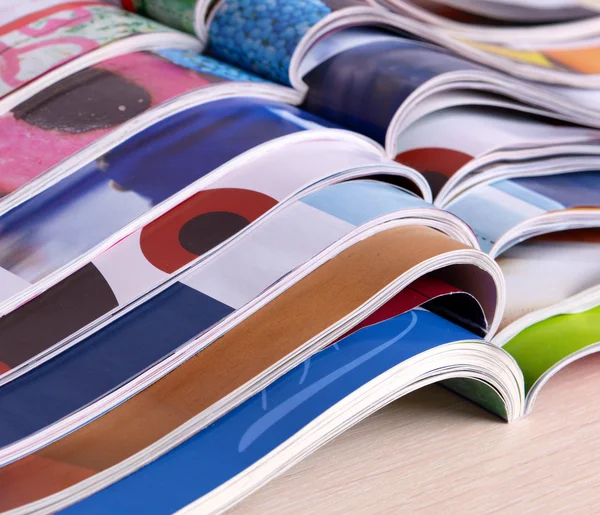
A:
(306, 309)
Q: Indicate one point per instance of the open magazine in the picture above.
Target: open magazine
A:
(531, 22)
(213, 263)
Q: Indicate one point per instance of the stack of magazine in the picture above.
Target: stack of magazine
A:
(231, 229)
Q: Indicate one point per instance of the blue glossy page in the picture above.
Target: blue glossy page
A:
(361, 77)
(242, 437)
(510, 202)
(263, 37)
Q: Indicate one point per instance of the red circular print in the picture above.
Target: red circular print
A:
(199, 224)
(435, 164)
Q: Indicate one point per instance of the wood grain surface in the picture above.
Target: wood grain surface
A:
(433, 452)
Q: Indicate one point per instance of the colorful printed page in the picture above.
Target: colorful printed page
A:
(39, 42)
(15, 13)
(79, 110)
(579, 57)
(536, 11)
(508, 203)
(180, 14)
(438, 13)
(442, 144)
(391, 69)
(570, 258)
(543, 347)
(186, 308)
(197, 225)
(452, 17)
(70, 218)
(437, 296)
(264, 41)
(281, 330)
(244, 33)
(265, 423)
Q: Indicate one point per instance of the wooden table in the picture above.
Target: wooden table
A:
(433, 452)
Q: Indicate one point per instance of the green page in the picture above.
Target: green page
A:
(478, 392)
(543, 345)
(178, 14)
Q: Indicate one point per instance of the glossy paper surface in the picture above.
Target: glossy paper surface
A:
(241, 438)
(359, 78)
(546, 343)
(200, 222)
(70, 218)
(127, 346)
(35, 44)
(252, 347)
(569, 258)
(79, 110)
(441, 143)
(510, 202)
(244, 33)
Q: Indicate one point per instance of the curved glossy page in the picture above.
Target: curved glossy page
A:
(265, 40)
(255, 345)
(188, 307)
(67, 116)
(570, 258)
(575, 50)
(544, 345)
(262, 40)
(436, 295)
(533, 12)
(257, 428)
(450, 16)
(579, 58)
(510, 202)
(204, 220)
(360, 77)
(44, 40)
(69, 219)
(444, 143)
(179, 14)
(15, 12)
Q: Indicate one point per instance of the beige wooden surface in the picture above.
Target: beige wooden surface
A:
(432, 452)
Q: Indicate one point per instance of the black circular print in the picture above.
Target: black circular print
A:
(207, 230)
(91, 99)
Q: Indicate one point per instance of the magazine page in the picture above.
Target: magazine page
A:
(512, 202)
(548, 346)
(69, 220)
(79, 110)
(447, 145)
(47, 39)
(569, 257)
(273, 42)
(179, 14)
(392, 69)
(193, 228)
(401, 76)
(274, 419)
(286, 323)
(216, 287)
(519, 209)
(455, 18)
(11, 11)
(265, 41)
(579, 58)
(536, 11)
(460, 23)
